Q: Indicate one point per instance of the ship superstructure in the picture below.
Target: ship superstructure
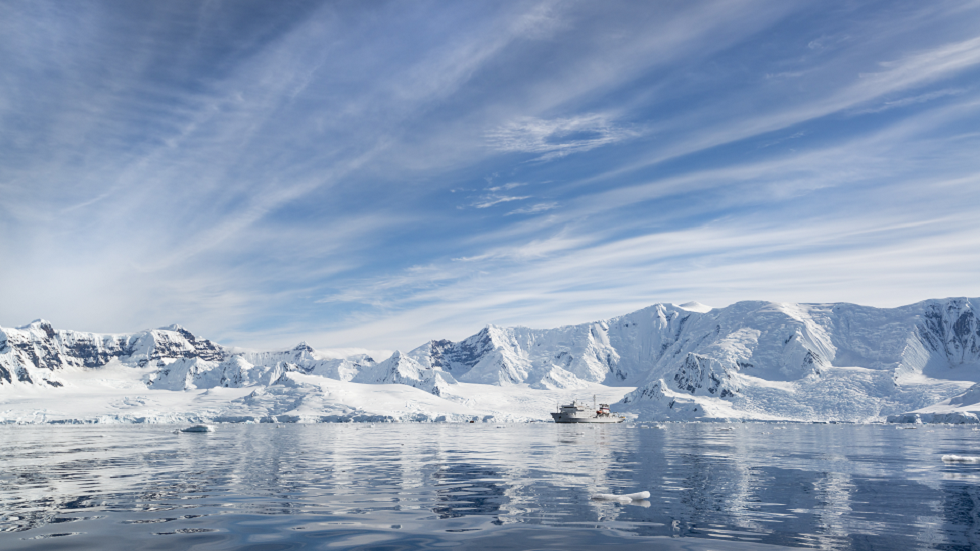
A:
(580, 412)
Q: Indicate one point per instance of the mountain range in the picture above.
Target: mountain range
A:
(750, 360)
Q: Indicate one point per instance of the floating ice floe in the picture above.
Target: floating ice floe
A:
(625, 498)
(960, 459)
(199, 428)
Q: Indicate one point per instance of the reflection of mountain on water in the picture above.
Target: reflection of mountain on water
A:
(828, 487)
(961, 508)
(465, 490)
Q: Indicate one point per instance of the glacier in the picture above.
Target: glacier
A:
(752, 360)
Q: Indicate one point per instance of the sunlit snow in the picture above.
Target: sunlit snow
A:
(751, 360)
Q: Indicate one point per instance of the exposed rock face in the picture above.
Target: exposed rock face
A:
(175, 358)
(36, 352)
(952, 331)
(700, 373)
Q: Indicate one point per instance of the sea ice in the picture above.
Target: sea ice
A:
(960, 459)
(621, 498)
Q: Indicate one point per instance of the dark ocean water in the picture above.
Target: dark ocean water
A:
(477, 486)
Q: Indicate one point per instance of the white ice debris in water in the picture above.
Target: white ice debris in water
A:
(960, 459)
(198, 428)
(621, 498)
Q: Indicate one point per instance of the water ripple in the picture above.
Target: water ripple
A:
(417, 486)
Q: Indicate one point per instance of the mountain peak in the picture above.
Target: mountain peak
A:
(695, 306)
(36, 324)
(303, 347)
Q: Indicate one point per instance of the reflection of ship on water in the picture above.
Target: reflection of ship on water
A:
(577, 412)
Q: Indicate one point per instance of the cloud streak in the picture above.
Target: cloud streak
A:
(557, 137)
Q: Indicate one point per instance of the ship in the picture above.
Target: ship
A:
(578, 412)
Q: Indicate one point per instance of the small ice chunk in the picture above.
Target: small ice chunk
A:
(198, 428)
(621, 498)
(960, 459)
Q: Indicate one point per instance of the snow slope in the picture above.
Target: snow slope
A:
(750, 360)
(963, 408)
(809, 362)
(116, 393)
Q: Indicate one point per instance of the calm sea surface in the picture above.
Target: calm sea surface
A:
(484, 486)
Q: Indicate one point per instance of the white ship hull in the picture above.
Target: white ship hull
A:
(561, 418)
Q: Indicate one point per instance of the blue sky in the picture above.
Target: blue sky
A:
(377, 174)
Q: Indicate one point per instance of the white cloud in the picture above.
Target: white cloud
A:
(534, 209)
(921, 98)
(506, 187)
(818, 248)
(557, 137)
(910, 71)
(491, 200)
(248, 196)
(821, 261)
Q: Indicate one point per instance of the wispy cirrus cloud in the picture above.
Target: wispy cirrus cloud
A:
(506, 187)
(491, 200)
(913, 70)
(259, 173)
(557, 137)
(780, 248)
(912, 100)
(535, 208)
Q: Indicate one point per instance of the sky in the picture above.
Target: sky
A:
(378, 174)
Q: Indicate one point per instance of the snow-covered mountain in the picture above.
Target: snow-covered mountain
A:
(808, 361)
(403, 370)
(170, 358)
(757, 360)
(37, 353)
(751, 359)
